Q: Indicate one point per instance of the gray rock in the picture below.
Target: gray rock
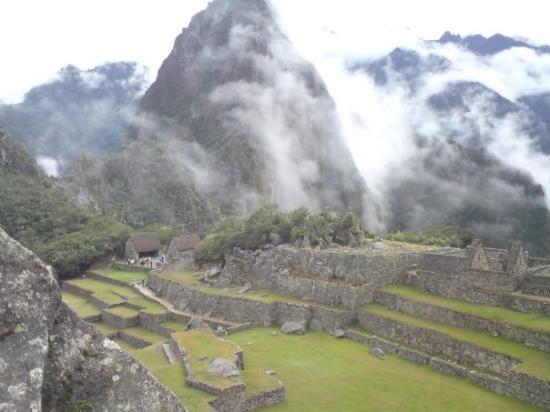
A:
(316, 325)
(224, 368)
(294, 328)
(196, 323)
(55, 360)
(337, 333)
(378, 353)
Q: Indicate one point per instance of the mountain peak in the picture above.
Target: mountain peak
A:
(484, 46)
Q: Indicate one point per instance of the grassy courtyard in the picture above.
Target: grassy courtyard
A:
(325, 374)
(122, 275)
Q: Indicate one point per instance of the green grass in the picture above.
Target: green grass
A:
(80, 305)
(148, 305)
(258, 295)
(532, 321)
(115, 295)
(125, 346)
(123, 276)
(123, 312)
(174, 326)
(534, 361)
(202, 342)
(326, 374)
(145, 334)
(173, 377)
(257, 380)
(105, 328)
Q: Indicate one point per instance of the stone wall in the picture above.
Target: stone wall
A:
(244, 310)
(449, 287)
(119, 321)
(129, 268)
(439, 344)
(266, 398)
(331, 277)
(98, 276)
(516, 385)
(537, 284)
(448, 316)
(132, 340)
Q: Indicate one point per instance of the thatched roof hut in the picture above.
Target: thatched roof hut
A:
(142, 244)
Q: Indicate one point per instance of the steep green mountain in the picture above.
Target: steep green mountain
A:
(235, 119)
(79, 111)
(38, 214)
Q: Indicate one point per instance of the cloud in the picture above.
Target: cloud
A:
(50, 166)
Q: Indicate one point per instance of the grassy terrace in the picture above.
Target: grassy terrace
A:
(532, 321)
(120, 275)
(199, 343)
(105, 328)
(534, 361)
(174, 326)
(145, 334)
(326, 374)
(259, 295)
(80, 305)
(173, 377)
(113, 294)
(123, 312)
(125, 346)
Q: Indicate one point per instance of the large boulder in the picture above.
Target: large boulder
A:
(223, 368)
(294, 328)
(52, 360)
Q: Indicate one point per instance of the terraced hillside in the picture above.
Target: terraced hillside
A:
(159, 338)
(318, 371)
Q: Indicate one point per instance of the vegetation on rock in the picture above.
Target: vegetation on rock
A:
(436, 235)
(269, 226)
(38, 214)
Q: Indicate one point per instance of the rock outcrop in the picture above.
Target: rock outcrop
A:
(52, 360)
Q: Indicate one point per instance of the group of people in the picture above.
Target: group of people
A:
(148, 261)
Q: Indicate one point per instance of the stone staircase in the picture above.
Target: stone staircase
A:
(500, 349)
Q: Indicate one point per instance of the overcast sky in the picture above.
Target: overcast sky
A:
(39, 37)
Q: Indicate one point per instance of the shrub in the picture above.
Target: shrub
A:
(270, 226)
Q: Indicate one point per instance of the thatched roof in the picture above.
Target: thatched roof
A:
(185, 243)
(145, 242)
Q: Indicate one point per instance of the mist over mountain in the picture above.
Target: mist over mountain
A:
(79, 111)
(241, 119)
(484, 46)
(473, 144)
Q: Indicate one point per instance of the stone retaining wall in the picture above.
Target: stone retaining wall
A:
(536, 285)
(439, 344)
(266, 398)
(241, 309)
(98, 276)
(516, 385)
(425, 310)
(119, 322)
(330, 277)
(440, 285)
(129, 268)
(132, 340)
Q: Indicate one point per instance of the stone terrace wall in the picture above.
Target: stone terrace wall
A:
(436, 343)
(516, 385)
(241, 309)
(330, 277)
(451, 287)
(451, 317)
(266, 398)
